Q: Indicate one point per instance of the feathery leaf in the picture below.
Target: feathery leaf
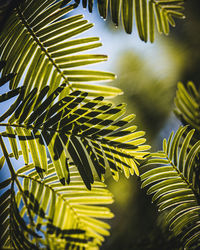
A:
(147, 12)
(38, 38)
(187, 103)
(171, 176)
(90, 133)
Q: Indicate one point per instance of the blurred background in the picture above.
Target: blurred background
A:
(148, 75)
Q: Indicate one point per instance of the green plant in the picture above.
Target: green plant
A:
(173, 173)
(74, 131)
(61, 133)
(146, 12)
(187, 103)
(64, 135)
(173, 184)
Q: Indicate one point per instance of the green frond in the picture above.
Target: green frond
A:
(75, 206)
(187, 103)
(39, 40)
(171, 175)
(94, 135)
(58, 215)
(146, 13)
(15, 233)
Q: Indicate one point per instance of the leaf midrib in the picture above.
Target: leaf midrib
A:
(57, 131)
(54, 191)
(31, 32)
(183, 178)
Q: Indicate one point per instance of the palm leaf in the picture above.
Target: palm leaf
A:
(14, 230)
(44, 213)
(187, 103)
(92, 134)
(173, 183)
(38, 43)
(146, 12)
(60, 208)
